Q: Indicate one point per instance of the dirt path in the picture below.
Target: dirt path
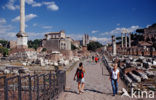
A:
(97, 84)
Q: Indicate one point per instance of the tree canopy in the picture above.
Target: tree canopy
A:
(94, 45)
(35, 44)
(4, 51)
(140, 30)
(4, 43)
(73, 47)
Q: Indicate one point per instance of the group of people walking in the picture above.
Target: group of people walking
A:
(79, 77)
(95, 59)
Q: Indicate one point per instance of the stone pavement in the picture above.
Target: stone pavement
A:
(97, 84)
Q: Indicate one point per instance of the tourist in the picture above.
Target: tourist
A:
(80, 77)
(114, 77)
(93, 58)
(96, 59)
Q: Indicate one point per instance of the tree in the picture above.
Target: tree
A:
(4, 43)
(35, 44)
(94, 45)
(4, 51)
(140, 30)
(73, 47)
(118, 38)
(44, 49)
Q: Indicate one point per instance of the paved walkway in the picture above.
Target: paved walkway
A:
(97, 86)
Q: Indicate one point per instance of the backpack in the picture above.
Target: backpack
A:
(79, 74)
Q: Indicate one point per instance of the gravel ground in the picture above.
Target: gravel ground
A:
(97, 84)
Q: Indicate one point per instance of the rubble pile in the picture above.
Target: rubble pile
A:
(135, 70)
(15, 70)
(46, 62)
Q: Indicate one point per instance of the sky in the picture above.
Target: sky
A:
(99, 18)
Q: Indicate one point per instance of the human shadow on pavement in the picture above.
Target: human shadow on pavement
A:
(92, 90)
(71, 91)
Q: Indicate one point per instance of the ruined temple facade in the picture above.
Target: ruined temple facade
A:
(150, 32)
(56, 41)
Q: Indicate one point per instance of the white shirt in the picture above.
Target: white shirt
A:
(115, 74)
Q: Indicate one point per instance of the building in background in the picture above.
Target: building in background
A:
(13, 44)
(150, 32)
(85, 39)
(56, 41)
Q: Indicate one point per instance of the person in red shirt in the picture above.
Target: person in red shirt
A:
(96, 59)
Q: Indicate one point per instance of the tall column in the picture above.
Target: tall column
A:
(122, 40)
(126, 40)
(113, 45)
(83, 40)
(22, 37)
(22, 16)
(129, 40)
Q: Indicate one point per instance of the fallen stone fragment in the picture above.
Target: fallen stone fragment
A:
(135, 77)
(150, 73)
(127, 79)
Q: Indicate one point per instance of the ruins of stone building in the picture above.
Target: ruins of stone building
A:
(13, 44)
(55, 56)
(56, 41)
(143, 48)
(150, 32)
(23, 54)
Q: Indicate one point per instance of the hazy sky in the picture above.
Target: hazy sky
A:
(98, 18)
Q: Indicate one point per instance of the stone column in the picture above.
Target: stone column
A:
(129, 40)
(126, 40)
(113, 45)
(122, 40)
(22, 16)
(83, 40)
(21, 35)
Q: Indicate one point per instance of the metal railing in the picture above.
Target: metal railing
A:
(33, 87)
(106, 64)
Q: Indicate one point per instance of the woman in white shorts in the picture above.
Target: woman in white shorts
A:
(80, 77)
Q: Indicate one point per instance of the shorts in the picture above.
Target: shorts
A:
(81, 80)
